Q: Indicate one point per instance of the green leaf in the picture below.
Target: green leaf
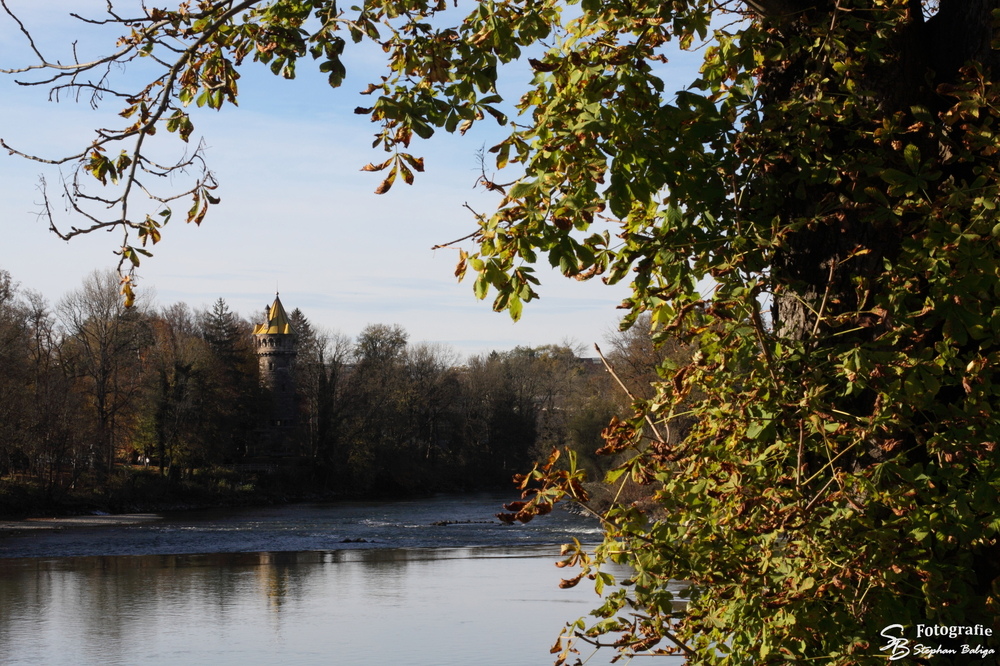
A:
(912, 156)
(514, 307)
(480, 287)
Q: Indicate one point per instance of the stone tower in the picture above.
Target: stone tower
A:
(275, 343)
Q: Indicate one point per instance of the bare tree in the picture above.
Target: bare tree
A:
(104, 345)
(56, 431)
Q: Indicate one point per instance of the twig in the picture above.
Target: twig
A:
(822, 305)
(758, 327)
(23, 30)
(798, 460)
(820, 493)
(666, 634)
(457, 240)
(648, 418)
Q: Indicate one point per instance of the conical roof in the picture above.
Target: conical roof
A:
(277, 321)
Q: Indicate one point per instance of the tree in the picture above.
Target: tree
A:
(104, 346)
(232, 384)
(56, 428)
(833, 162)
(42, 427)
(377, 427)
(501, 413)
(179, 418)
(327, 401)
(320, 369)
(432, 393)
(15, 374)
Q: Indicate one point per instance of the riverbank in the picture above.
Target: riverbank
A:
(143, 490)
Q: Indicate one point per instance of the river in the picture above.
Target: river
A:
(431, 582)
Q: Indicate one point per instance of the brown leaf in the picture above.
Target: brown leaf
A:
(376, 167)
(570, 582)
(540, 66)
(407, 174)
(416, 162)
(618, 436)
(387, 183)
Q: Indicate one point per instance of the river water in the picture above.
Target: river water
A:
(433, 582)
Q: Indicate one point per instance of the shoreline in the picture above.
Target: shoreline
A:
(22, 503)
(91, 512)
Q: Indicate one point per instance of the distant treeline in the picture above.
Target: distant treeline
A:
(93, 394)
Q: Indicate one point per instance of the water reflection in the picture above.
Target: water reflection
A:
(433, 607)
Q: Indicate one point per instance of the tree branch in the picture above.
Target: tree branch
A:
(782, 9)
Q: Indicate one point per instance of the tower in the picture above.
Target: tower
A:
(275, 344)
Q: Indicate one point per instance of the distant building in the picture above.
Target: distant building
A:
(275, 343)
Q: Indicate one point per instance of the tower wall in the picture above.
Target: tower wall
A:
(276, 357)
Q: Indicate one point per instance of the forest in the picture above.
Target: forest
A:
(104, 407)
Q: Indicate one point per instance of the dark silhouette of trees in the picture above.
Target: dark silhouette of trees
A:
(14, 375)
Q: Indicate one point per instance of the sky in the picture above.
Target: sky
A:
(298, 216)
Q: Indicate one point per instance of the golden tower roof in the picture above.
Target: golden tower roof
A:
(277, 321)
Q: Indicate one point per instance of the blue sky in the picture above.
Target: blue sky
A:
(297, 214)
